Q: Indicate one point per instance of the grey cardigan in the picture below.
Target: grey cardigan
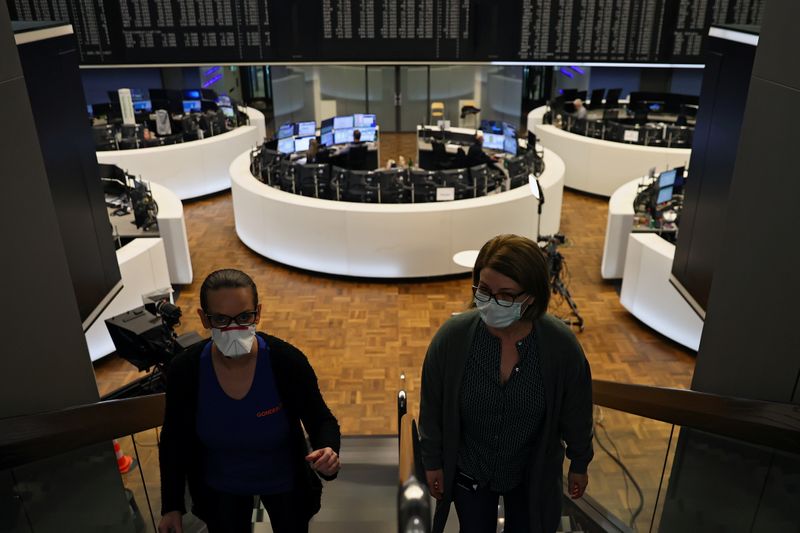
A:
(568, 413)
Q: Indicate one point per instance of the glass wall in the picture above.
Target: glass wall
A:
(316, 93)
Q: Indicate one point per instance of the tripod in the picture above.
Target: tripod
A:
(555, 263)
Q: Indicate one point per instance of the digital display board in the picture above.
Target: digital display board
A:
(130, 32)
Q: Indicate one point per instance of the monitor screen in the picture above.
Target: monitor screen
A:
(227, 111)
(191, 105)
(191, 94)
(89, 109)
(224, 101)
(326, 125)
(509, 129)
(138, 95)
(343, 122)
(510, 145)
(326, 139)
(364, 121)
(301, 143)
(142, 106)
(664, 195)
(369, 135)
(343, 136)
(286, 130)
(304, 129)
(493, 141)
(286, 146)
(667, 178)
(491, 126)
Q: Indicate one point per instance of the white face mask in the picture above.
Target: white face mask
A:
(234, 341)
(496, 316)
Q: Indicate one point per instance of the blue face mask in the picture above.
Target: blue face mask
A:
(496, 316)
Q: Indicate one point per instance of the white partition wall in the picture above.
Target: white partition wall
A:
(384, 240)
(618, 228)
(189, 169)
(172, 229)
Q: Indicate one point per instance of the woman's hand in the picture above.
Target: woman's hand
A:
(435, 480)
(324, 461)
(577, 484)
(172, 522)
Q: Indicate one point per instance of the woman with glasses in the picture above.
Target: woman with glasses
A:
(232, 427)
(503, 385)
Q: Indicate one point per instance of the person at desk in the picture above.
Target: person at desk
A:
(476, 156)
(316, 156)
(580, 109)
(356, 153)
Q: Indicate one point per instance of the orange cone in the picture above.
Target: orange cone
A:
(124, 462)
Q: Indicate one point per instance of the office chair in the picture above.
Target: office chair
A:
(287, 176)
(461, 181)
(104, 138)
(127, 143)
(437, 112)
(424, 184)
(363, 186)
(313, 180)
(338, 182)
(394, 185)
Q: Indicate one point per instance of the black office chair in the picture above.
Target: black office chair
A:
(127, 143)
(480, 177)
(357, 157)
(270, 165)
(313, 180)
(104, 138)
(287, 176)
(395, 186)
(363, 186)
(424, 184)
(461, 181)
(338, 182)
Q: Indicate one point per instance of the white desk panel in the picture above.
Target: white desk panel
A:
(143, 266)
(172, 229)
(618, 227)
(189, 169)
(383, 240)
(650, 297)
(601, 167)
(258, 120)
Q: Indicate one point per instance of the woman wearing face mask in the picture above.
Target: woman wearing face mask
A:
(502, 386)
(232, 427)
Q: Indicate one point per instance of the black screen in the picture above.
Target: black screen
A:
(232, 31)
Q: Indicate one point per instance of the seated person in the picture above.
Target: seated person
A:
(580, 109)
(315, 155)
(356, 153)
(476, 156)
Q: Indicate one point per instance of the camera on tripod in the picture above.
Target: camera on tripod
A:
(556, 265)
(146, 338)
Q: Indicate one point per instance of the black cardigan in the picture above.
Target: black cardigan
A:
(181, 452)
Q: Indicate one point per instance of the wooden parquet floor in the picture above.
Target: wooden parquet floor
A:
(361, 335)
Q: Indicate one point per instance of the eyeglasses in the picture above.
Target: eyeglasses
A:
(248, 318)
(503, 299)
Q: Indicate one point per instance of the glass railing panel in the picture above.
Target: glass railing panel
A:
(626, 473)
(137, 459)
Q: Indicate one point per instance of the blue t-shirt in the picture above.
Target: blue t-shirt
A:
(247, 448)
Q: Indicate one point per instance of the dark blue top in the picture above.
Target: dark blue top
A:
(247, 449)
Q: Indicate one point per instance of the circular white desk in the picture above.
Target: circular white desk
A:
(600, 167)
(189, 169)
(618, 227)
(258, 120)
(172, 230)
(384, 240)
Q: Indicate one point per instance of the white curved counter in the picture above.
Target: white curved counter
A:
(618, 227)
(601, 167)
(189, 169)
(172, 230)
(258, 120)
(384, 240)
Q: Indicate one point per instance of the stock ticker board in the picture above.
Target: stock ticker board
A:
(130, 32)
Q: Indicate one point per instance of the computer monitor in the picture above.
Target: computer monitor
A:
(224, 101)
(343, 136)
(509, 129)
(664, 195)
(306, 129)
(326, 139)
(89, 109)
(612, 97)
(364, 121)
(369, 135)
(343, 122)
(191, 105)
(490, 126)
(192, 94)
(227, 111)
(510, 145)
(142, 106)
(493, 141)
(286, 130)
(517, 166)
(326, 125)
(286, 145)
(667, 178)
(301, 143)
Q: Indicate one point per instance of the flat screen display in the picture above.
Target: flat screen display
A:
(509, 129)
(192, 94)
(340, 123)
(191, 105)
(286, 146)
(343, 136)
(493, 141)
(364, 121)
(301, 143)
(137, 95)
(305, 129)
(664, 195)
(667, 178)
(326, 139)
(490, 126)
(142, 106)
(369, 135)
(286, 130)
(510, 145)
(227, 111)
(224, 101)
(326, 125)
